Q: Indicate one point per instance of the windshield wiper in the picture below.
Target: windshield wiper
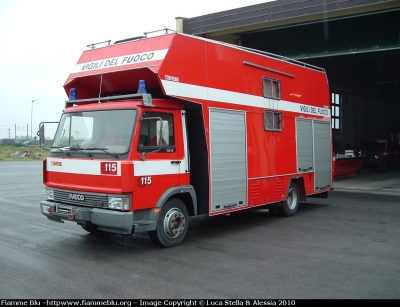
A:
(103, 150)
(76, 148)
(63, 149)
(66, 150)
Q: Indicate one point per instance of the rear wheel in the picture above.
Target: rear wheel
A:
(172, 224)
(291, 204)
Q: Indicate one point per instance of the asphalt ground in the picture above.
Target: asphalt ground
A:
(370, 181)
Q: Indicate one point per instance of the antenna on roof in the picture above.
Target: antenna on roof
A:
(91, 46)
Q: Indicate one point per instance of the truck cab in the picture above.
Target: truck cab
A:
(380, 153)
(117, 159)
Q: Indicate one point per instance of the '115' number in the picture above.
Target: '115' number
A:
(109, 168)
(145, 180)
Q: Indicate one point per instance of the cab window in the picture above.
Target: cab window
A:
(156, 131)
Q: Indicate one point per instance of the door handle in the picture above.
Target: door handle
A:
(176, 162)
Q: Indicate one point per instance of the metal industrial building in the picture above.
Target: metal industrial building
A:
(356, 42)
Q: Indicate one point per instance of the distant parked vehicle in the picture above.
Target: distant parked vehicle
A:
(29, 143)
(11, 142)
(380, 153)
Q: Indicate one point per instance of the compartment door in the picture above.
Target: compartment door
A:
(228, 159)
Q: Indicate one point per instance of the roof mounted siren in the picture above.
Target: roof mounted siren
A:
(147, 100)
(72, 94)
(142, 87)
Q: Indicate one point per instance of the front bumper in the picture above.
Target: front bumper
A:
(105, 220)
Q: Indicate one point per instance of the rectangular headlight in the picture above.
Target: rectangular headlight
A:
(119, 203)
(50, 194)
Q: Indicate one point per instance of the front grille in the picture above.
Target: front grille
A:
(81, 199)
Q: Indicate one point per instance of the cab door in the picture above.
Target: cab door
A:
(162, 162)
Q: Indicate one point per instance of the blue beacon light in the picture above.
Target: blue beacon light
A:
(142, 87)
(72, 94)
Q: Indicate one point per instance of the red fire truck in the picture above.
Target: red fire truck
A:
(160, 129)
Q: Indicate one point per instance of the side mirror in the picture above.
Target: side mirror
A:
(40, 134)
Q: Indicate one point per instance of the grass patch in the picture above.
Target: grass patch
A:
(13, 153)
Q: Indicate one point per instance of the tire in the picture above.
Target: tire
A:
(172, 224)
(291, 204)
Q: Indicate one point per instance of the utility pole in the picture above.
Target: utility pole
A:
(31, 117)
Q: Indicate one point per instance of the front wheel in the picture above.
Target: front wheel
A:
(172, 224)
(291, 204)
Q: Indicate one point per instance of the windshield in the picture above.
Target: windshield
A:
(95, 131)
